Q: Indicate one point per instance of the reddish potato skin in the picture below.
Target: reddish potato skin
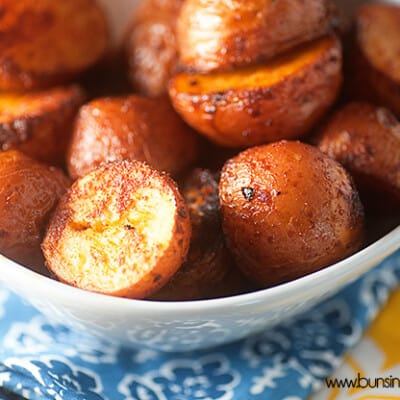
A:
(288, 210)
(29, 191)
(43, 131)
(365, 139)
(209, 269)
(46, 42)
(245, 117)
(150, 46)
(214, 35)
(134, 128)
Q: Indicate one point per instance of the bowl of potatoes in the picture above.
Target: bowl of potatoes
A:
(180, 174)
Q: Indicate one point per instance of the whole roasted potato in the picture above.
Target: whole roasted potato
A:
(150, 45)
(249, 106)
(209, 266)
(121, 230)
(135, 128)
(373, 68)
(366, 140)
(40, 124)
(29, 191)
(288, 210)
(47, 42)
(215, 35)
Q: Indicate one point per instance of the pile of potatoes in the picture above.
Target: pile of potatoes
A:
(255, 143)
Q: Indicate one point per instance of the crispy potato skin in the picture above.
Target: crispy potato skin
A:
(29, 191)
(47, 42)
(113, 129)
(122, 230)
(40, 124)
(373, 61)
(209, 266)
(366, 140)
(215, 35)
(248, 107)
(150, 45)
(288, 210)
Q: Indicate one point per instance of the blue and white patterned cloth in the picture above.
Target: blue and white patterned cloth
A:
(43, 360)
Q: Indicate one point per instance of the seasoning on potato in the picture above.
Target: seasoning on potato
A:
(150, 45)
(47, 42)
(122, 230)
(288, 210)
(134, 128)
(215, 35)
(250, 106)
(373, 69)
(39, 124)
(29, 191)
(366, 139)
(209, 265)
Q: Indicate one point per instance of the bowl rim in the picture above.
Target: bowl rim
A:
(346, 271)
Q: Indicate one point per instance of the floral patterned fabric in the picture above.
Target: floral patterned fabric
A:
(44, 360)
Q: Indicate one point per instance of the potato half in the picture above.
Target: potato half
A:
(122, 230)
(215, 35)
(366, 140)
(40, 124)
(279, 99)
(374, 58)
(150, 45)
(47, 42)
(288, 210)
(134, 128)
(29, 191)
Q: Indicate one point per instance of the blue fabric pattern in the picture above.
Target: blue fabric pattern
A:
(44, 360)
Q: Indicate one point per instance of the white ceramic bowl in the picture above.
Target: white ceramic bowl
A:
(179, 326)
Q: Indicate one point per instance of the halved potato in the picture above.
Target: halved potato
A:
(29, 191)
(288, 210)
(150, 45)
(209, 264)
(47, 42)
(133, 128)
(374, 57)
(40, 124)
(215, 35)
(366, 140)
(279, 99)
(122, 230)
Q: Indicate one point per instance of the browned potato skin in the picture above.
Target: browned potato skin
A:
(135, 128)
(106, 216)
(373, 66)
(47, 42)
(29, 191)
(244, 116)
(366, 139)
(150, 45)
(40, 124)
(288, 210)
(215, 35)
(209, 268)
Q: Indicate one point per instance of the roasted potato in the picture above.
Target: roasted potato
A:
(373, 67)
(366, 140)
(288, 210)
(47, 42)
(135, 128)
(215, 35)
(209, 268)
(29, 191)
(150, 45)
(40, 124)
(249, 106)
(122, 230)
